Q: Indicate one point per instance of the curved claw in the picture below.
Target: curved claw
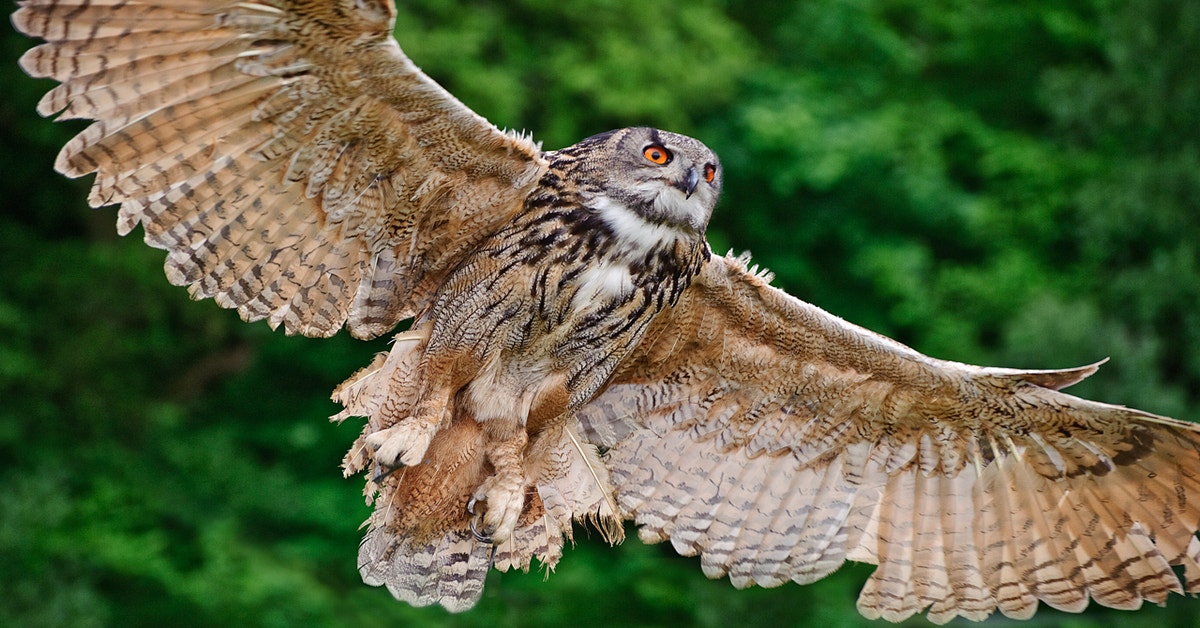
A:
(384, 471)
(479, 536)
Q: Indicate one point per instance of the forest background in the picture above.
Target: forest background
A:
(1009, 182)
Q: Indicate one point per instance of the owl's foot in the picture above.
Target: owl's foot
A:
(503, 492)
(403, 444)
(504, 502)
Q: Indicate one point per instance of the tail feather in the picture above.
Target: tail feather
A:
(419, 543)
(448, 571)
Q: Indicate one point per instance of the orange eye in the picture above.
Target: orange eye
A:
(657, 154)
(710, 173)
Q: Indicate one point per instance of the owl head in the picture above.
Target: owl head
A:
(667, 180)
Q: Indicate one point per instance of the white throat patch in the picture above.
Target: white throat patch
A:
(636, 234)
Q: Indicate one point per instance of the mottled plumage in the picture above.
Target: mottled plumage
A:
(576, 352)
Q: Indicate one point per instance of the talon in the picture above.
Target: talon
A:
(384, 471)
(479, 536)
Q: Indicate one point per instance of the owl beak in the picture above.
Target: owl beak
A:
(688, 185)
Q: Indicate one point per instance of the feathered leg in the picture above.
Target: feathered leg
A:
(504, 491)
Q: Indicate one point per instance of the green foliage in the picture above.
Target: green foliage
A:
(538, 64)
(1001, 181)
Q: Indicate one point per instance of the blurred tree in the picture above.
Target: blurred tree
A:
(1001, 181)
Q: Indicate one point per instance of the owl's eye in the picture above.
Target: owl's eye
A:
(657, 154)
(710, 173)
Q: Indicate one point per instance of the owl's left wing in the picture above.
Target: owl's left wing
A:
(288, 156)
(778, 441)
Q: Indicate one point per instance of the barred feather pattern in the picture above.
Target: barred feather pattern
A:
(294, 164)
(776, 442)
(448, 570)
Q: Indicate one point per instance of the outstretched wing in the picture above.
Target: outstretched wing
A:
(778, 441)
(288, 156)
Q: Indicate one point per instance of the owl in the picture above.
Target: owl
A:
(576, 352)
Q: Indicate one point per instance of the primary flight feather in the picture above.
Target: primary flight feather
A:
(577, 353)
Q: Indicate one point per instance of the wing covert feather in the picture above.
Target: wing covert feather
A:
(288, 156)
(777, 441)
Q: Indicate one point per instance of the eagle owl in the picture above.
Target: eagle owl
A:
(576, 352)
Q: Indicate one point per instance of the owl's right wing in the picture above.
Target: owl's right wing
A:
(777, 441)
(288, 156)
